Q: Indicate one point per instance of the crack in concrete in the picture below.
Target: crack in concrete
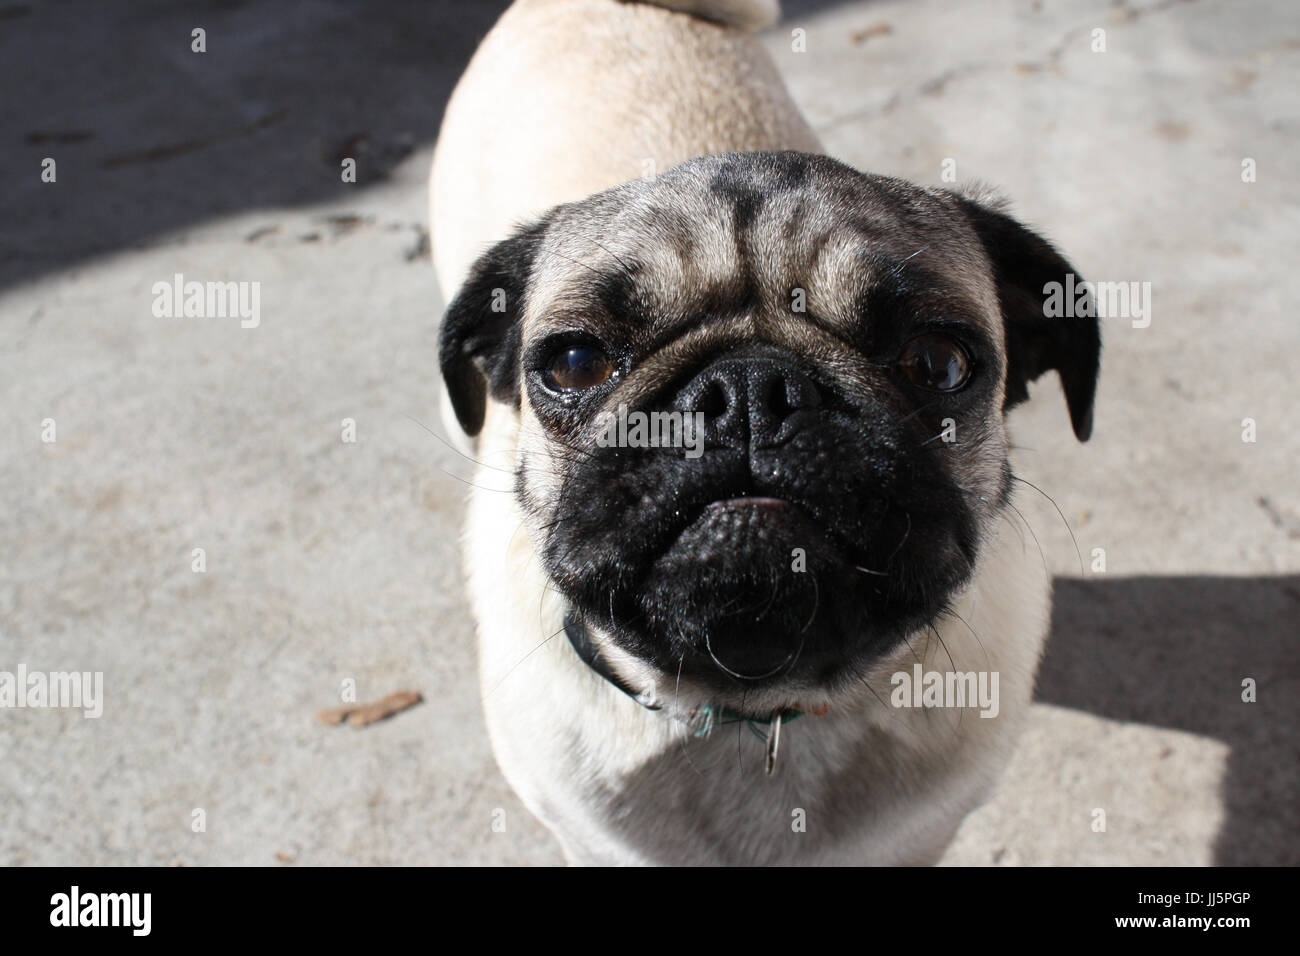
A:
(937, 84)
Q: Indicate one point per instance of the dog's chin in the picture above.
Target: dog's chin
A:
(755, 595)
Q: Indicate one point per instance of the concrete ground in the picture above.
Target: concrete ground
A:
(329, 561)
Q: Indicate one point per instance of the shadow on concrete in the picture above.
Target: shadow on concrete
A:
(792, 11)
(150, 137)
(1172, 652)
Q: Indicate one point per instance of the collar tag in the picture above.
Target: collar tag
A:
(773, 741)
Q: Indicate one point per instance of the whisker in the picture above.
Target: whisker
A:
(520, 661)
(455, 449)
(988, 662)
(1077, 552)
(1030, 528)
(951, 663)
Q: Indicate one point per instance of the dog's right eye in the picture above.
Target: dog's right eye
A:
(935, 362)
(577, 368)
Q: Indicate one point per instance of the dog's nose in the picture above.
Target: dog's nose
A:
(748, 402)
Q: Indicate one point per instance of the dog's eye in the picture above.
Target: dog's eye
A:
(935, 362)
(577, 368)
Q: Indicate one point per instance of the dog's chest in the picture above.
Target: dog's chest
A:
(833, 798)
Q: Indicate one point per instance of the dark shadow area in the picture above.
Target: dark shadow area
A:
(1172, 652)
(150, 137)
(793, 10)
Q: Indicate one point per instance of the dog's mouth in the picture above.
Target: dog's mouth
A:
(735, 590)
(766, 517)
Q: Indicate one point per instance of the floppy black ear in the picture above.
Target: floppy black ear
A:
(479, 344)
(1024, 263)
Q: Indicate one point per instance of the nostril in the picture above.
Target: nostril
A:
(776, 399)
(802, 392)
(749, 401)
(713, 402)
(783, 395)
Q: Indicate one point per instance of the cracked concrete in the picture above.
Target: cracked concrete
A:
(330, 561)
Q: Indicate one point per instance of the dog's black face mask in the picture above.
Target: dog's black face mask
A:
(817, 525)
(846, 347)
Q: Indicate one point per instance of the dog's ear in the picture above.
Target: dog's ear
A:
(479, 343)
(1024, 264)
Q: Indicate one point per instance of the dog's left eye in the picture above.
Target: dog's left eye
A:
(935, 362)
(578, 368)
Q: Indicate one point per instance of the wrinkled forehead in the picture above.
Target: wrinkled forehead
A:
(717, 240)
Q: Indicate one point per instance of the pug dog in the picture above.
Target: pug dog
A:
(758, 640)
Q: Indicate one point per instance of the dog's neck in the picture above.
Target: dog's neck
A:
(705, 720)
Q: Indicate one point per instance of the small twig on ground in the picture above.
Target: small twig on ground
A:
(359, 715)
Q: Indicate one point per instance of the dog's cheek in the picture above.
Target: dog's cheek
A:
(974, 455)
(542, 470)
(991, 470)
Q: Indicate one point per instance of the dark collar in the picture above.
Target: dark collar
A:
(703, 720)
(580, 638)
